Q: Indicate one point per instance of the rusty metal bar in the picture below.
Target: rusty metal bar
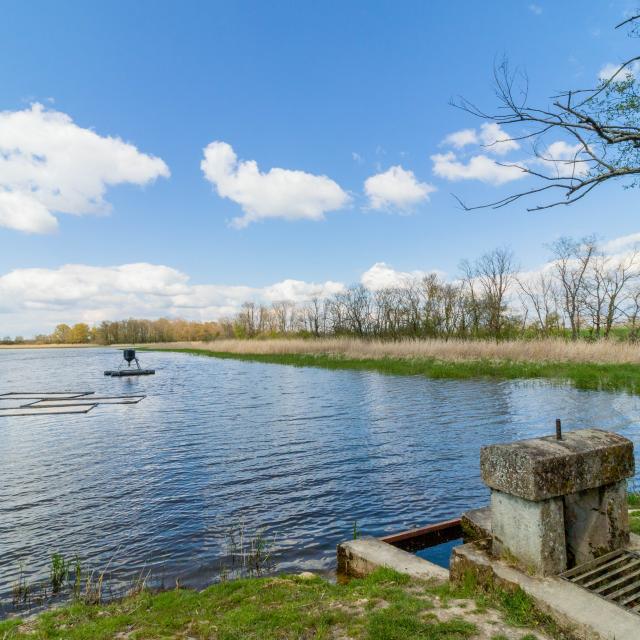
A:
(425, 537)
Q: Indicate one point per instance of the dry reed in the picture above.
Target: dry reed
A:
(545, 350)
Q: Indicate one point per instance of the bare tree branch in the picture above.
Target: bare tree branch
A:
(603, 122)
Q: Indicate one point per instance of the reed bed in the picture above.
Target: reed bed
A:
(543, 351)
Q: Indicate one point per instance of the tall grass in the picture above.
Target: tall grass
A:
(544, 350)
(586, 366)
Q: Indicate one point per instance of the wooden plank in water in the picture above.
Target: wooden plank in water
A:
(43, 411)
(76, 402)
(31, 395)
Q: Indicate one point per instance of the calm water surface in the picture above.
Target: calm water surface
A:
(300, 453)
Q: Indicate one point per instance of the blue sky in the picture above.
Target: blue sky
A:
(338, 89)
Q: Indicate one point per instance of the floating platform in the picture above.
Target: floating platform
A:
(121, 373)
(18, 403)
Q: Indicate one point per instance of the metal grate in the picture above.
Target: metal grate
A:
(614, 577)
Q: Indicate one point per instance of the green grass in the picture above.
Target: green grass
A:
(609, 377)
(384, 606)
(633, 499)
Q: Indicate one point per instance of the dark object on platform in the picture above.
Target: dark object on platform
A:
(558, 429)
(130, 356)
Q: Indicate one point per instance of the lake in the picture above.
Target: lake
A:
(299, 453)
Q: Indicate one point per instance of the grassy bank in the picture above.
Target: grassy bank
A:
(402, 359)
(384, 606)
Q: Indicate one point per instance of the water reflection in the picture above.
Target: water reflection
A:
(302, 453)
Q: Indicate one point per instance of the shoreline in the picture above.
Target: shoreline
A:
(582, 375)
(52, 346)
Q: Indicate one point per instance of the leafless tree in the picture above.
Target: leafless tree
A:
(541, 295)
(491, 275)
(571, 261)
(601, 123)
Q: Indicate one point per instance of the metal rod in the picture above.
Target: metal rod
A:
(558, 429)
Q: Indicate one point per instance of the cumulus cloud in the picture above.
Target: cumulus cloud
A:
(493, 140)
(609, 69)
(383, 276)
(35, 300)
(462, 138)
(621, 244)
(563, 160)
(490, 135)
(480, 167)
(48, 165)
(396, 188)
(278, 193)
(297, 290)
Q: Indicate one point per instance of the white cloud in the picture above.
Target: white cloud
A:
(278, 193)
(462, 138)
(35, 300)
(383, 276)
(297, 290)
(609, 69)
(48, 165)
(563, 159)
(480, 167)
(496, 140)
(535, 9)
(396, 188)
(490, 135)
(624, 242)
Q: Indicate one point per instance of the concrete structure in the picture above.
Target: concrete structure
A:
(531, 534)
(582, 614)
(358, 558)
(558, 503)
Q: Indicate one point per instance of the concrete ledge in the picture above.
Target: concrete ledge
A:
(358, 558)
(584, 615)
(476, 524)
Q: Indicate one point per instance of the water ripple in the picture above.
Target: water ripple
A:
(301, 453)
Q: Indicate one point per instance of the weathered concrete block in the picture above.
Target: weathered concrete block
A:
(596, 522)
(529, 534)
(543, 468)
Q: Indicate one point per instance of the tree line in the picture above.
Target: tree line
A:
(131, 331)
(582, 292)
